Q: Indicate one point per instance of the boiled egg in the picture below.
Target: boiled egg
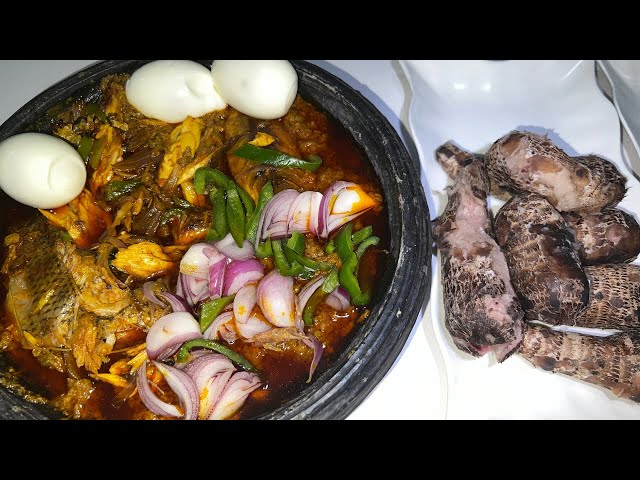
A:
(172, 90)
(40, 170)
(263, 89)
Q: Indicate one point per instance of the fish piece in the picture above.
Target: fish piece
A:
(61, 299)
(609, 236)
(525, 162)
(612, 362)
(543, 261)
(482, 312)
(614, 297)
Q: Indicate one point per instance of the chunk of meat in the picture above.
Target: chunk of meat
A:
(144, 260)
(183, 141)
(482, 312)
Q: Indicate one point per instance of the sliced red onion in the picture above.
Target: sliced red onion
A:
(177, 303)
(147, 290)
(184, 387)
(240, 385)
(318, 349)
(168, 333)
(192, 289)
(276, 299)
(244, 302)
(179, 382)
(305, 292)
(253, 326)
(210, 373)
(216, 276)
(196, 260)
(314, 226)
(339, 299)
(228, 247)
(150, 399)
(241, 272)
(300, 213)
(211, 333)
(350, 202)
(275, 216)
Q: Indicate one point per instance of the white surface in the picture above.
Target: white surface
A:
(412, 389)
(473, 104)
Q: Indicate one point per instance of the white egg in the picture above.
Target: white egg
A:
(263, 89)
(40, 170)
(171, 90)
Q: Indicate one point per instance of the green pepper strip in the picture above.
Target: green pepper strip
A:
(118, 188)
(235, 215)
(343, 242)
(169, 215)
(264, 249)
(94, 109)
(205, 177)
(247, 201)
(84, 149)
(266, 194)
(329, 285)
(211, 309)
(282, 264)
(365, 244)
(361, 235)
(219, 226)
(183, 353)
(350, 283)
(296, 242)
(96, 152)
(330, 247)
(275, 158)
(293, 256)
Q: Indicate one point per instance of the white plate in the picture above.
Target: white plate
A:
(474, 103)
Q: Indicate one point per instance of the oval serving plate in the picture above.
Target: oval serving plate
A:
(379, 340)
(473, 103)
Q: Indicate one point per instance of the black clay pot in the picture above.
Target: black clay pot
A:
(379, 340)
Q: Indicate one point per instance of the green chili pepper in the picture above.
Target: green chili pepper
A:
(344, 245)
(296, 242)
(211, 309)
(84, 149)
(170, 214)
(235, 216)
(293, 256)
(118, 188)
(328, 285)
(264, 249)
(247, 201)
(282, 264)
(349, 281)
(365, 244)
(183, 353)
(275, 158)
(266, 194)
(94, 109)
(219, 226)
(361, 235)
(330, 247)
(96, 152)
(206, 177)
